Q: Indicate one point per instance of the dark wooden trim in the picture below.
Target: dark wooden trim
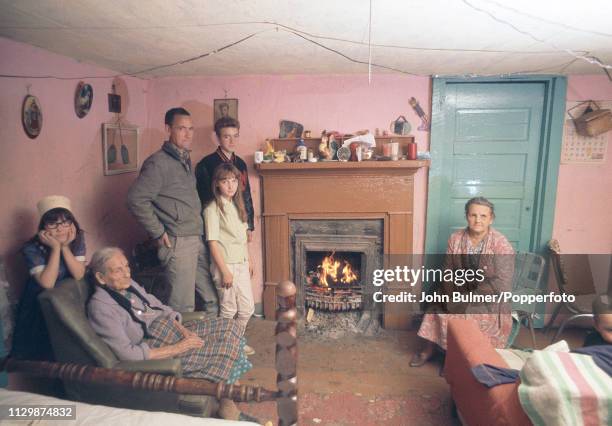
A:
(138, 380)
(286, 354)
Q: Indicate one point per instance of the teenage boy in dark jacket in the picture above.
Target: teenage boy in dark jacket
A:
(227, 130)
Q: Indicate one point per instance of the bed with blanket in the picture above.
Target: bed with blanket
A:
(563, 388)
(555, 387)
(99, 415)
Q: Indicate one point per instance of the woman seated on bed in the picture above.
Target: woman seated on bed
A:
(478, 246)
(137, 326)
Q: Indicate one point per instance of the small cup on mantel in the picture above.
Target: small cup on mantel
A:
(259, 155)
(387, 149)
(394, 150)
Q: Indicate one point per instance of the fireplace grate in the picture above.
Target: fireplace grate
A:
(333, 299)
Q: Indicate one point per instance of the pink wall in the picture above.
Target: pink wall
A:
(333, 102)
(66, 158)
(584, 193)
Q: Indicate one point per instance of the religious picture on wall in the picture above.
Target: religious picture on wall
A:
(120, 146)
(225, 108)
(290, 129)
(31, 116)
(83, 98)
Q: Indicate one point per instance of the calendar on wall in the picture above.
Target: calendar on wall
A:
(584, 149)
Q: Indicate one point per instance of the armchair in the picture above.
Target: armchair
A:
(74, 341)
(475, 403)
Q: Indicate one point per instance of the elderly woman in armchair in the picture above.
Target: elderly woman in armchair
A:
(477, 247)
(136, 326)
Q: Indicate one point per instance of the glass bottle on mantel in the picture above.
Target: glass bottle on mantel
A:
(302, 150)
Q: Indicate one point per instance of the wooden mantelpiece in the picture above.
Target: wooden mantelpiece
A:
(266, 168)
(340, 190)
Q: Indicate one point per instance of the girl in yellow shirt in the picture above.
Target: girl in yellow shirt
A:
(225, 220)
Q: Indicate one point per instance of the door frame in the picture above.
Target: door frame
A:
(549, 155)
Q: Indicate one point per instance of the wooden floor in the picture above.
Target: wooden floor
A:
(368, 372)
(353, 380)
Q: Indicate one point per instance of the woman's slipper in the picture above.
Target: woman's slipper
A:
(249, 350)
(419, 359)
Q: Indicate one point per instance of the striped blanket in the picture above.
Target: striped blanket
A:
(561, 388)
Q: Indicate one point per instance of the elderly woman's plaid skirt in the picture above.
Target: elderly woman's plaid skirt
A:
(221, 357)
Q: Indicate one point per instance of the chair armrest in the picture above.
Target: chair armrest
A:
(193, 316)
(467, 347)
(168, 366)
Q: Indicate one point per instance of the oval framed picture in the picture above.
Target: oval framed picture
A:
(31, 116)
(83, 98)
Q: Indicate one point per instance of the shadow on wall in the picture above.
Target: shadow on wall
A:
(152, 140)
(24, 226)
(204, 141)
(111, 223)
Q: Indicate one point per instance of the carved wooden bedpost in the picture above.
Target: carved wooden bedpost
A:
(137, 380)
(286, 354)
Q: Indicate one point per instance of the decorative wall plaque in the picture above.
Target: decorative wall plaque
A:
(83, 98)
(31, 116)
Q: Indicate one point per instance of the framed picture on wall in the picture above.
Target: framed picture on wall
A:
(120, 148)
(225, 108)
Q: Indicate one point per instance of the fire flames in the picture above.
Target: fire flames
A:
(330, 272)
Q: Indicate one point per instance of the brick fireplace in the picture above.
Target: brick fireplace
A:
(363, 208)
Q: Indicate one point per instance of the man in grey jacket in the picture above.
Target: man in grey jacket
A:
(164, 199)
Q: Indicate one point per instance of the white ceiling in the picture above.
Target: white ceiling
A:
(425, 37)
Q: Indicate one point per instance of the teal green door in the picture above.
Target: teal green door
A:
(489, 145)
(498, 138)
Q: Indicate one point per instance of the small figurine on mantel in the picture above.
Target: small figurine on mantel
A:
(324, 152)
(280, 156)
(333, 146)
(268, 152)
(301, 151)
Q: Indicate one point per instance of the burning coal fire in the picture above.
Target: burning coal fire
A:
(333, 272)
